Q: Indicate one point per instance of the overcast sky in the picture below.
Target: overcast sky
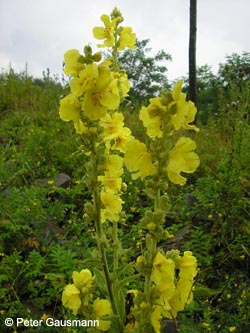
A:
(40, 31)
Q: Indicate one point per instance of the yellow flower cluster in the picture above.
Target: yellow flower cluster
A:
(94, 91)
(108, 33)
(180, 113)
(95, 88)
(116, 136)
(174, 289)
(164, 115)
(174, 293)
(78, 295)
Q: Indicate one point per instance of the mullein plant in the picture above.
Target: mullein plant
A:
(97, 88)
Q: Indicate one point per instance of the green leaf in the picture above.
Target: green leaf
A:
(203, 291)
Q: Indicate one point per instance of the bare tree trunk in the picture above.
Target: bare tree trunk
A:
(192, 51)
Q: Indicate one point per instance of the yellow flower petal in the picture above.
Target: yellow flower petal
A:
(123, 84)
(72, 64)
(110, 182)
(102, 308)
(112, 125)
(70, 108)
(103, 96)
(122, 139)
(85, 81)
(163, 274)
(185, 114)
(114, 165)
(71, 298)
(182, 159)
(138, 159)
(127, 39)
(152, 124)
(187, 265)
(112, 204)
(155, 318)
(83, 278)
(177, 94)
(107, 32)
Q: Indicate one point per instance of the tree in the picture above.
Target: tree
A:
(236, 69)
(192, 51)
(146, 74)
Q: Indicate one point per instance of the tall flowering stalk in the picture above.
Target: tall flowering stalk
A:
(97, 89)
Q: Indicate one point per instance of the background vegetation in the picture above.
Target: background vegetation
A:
(43, 238)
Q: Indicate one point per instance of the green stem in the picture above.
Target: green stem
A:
(115, 245)
(101, 240)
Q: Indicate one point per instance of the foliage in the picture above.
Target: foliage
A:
(236, 69)
(147, 73)
(217, 206)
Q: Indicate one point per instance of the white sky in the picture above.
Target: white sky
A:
(40, 31)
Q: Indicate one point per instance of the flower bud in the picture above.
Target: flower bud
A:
(97, 56)
(151, 226)
(87, 50)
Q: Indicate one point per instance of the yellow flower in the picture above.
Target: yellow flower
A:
(153, 125)
(187, 265)
(85, 81)
(81, 128)
(151, 117)
(183, 295)
(185, 114)
(111, 183)
(163, 274)
(185, 111)
(123, 83)
(112, 125)
(177, 95)
(107, 33)
(71, 298)
(112, 204)
(70, 108)
(127, 39)
(155, 318)
(130, 327)
(182, 159)
(102, 308)
(232, 329)
(121, 140)
(138, 159)
(72, 64)
(83, 279)
(114, 165)
(103, 96)
(114, 130)
(44, 316)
